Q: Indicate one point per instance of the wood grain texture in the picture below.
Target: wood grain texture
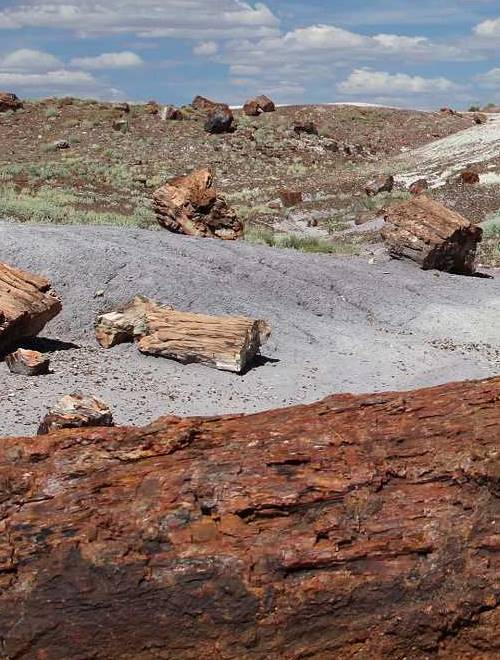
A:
(357, 527)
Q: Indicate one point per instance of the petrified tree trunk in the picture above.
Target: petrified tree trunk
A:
(357, 527)
(432, 235)
(27, 303)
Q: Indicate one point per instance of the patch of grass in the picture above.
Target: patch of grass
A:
(384, 199)
(51, 112)
(296, 169)
(310, 244)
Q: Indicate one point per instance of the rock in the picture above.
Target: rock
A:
(171, 113)
(469, 176)
(220, 120)
(252, 108)
(265, 103)
(353, 150)
(125, 323)
(418, 187)
(205, 105)
(9, 102)
(61, 145)
(479, 118)
(27, 303)
(121, 125)
(356, 527)
(449, 111)
(76, 411)
(27, 363)
(122, 107)
(152, 107)
(308, 127)
(290, 197)
(432, 235)
(190, 205)
(381, 184)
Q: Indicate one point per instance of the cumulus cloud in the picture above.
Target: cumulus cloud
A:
(26, 59)
(206, 48)
(367, 82)
(194, 19)
(123, 60)
(490, 79)
(488, 29)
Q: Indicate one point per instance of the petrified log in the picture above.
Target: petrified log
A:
(379, 185)
(125, 323)
(229, 343)
(9, 101)
(265, 103)
(27, 303)
(27, 363)
(357, 527)
(220, 120)
(432, 235)
(205, 105)
(190, 205)
(76, 411)
(252, 108)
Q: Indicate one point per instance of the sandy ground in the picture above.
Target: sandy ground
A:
(339, 324)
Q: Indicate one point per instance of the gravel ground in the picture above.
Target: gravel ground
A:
(339, 324)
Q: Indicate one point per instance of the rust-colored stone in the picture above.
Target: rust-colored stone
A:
(290, 197)
(27, 363)
(76, 411)
(379, 185)
(357, 527)
(9, 101)
(252, 108)
(265, 103)
(469, 176)
(418, 187)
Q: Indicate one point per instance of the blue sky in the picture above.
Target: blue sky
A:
(419, 54)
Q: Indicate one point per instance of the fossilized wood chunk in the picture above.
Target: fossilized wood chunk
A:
(432, 235)
(380, 184)
(76, 411)
(229, 343)
(190, 205)
(9, 101)
(265, 103)
(27, 303)
(357, 527)
(125, 323)
(27, 363)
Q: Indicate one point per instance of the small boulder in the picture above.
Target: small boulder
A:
(290, 197)
(380, 184)
(60, 145)
(252, 108)
(27, 363)
(308, 127)
(122, 107)
(418, 187)
(171, 113)
(220, 120)
(9, 101)
(479, 118)
(469, 176)
(152, 107)
(265, 103)
(121, 125)
(76, 411)
(203, 104)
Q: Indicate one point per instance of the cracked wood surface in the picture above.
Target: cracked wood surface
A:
(356, 527)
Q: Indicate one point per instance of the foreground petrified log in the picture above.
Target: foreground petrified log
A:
(190, 205)
(358, 527)
(230, 343)
(431, 234)
(27, 303)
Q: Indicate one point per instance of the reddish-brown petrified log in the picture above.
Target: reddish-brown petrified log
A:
(358, 527)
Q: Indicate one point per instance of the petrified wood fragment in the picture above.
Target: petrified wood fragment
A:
(76, 411)
(434, 236)
(27, 303)
(357, 527)
(125, 323)
(9, 101)
(27, 363)
(190, 205)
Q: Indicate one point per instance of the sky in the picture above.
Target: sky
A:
(423, 54)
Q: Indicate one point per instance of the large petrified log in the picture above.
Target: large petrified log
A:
(357, 527)
(190, 205)
(432, 235)
(27, 303)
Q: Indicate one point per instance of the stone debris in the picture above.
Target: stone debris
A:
(27, 363)
(190, 205)
(418, 187)
(290, 197)
(265, 103)
(171, 113)
(9, 101)
(220, 120)
(469, 176)
(379, 185)
(252, 108)
(308, 127)
(76, 411)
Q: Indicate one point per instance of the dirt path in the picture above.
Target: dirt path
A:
(340, 324)
(439, 160)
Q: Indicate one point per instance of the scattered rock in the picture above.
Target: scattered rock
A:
(204, 104)
(469, 176)
(171, 113)
(27, 363)
(308, 127)
(122, 107)
(76, 411)
(353, 150)
(265, 103)
(121, 125)
(190, 205)
(220, 120)
(450, 111)
(479, 118)
(381, 184)
(9, 102)
(418, 187)
(61, 144)
(27, 303)
(290, 197)
(252, 108)
(432, 235)
(125, 323)
(152, 107)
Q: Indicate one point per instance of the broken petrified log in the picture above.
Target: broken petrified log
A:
(27, 363)
(27, 303)
(220, 120)
(379, 185)
(76, 411)
(434, 236)
(229, 343)
(9, 101)
(190, 205)
(357, 527)
(265, 103)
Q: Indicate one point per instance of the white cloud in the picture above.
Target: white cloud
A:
(193, 19)
(367, 82)
(123, 60)
(489, 28)
(206, 48)
(490, 79)
(27, 59)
